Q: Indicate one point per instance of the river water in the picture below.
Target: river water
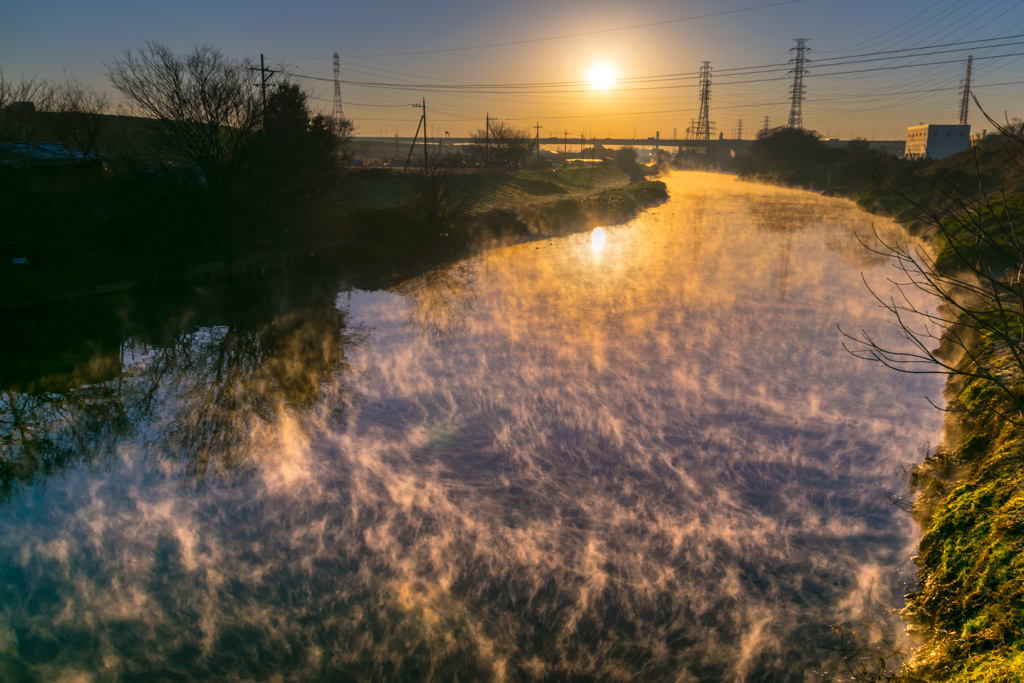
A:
(642, 457)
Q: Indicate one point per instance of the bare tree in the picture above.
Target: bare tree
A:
(204, 102)
(19, 102)
(976, 333)
(77, 116)
(442, 199)
(502, 144)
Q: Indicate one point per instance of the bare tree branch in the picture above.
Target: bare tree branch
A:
(204, 102)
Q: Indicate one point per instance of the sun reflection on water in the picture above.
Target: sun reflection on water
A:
(597, 239)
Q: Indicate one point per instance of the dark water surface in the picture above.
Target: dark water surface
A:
(647, 459)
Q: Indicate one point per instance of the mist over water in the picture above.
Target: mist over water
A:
(637, 454)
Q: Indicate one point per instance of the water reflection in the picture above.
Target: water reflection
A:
(198, 395)
(535, 465)
(440, 301)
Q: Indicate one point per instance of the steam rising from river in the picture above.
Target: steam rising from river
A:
(650, 460)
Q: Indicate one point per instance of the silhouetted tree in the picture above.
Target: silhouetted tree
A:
(205, 103)
(19, 102)
(794, 156)
(41, 110)
(625, 159)
(441, 201)
(77, 115)
(296, 152)
(502, 145)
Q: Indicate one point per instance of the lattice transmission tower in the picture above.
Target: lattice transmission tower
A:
(338, 112)
(966, 98)
(798, 90)
(704, 125)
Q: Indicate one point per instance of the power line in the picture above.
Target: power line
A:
(577, 35)
(566, 87)
(830, 61)
(834, 82)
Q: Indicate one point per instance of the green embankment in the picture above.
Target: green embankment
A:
(401, 218)
(969, 606)
(68, 235)
(482, 191)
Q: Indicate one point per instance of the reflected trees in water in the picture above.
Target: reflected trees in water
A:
(440, 301)
(44, 432)
(199, 398)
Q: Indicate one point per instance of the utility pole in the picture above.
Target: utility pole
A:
(537, 138)
(423, 106)
(766, 125)
(423, 124)
(565, 148)
(797, 90)
(265, 75)
(487, 139)
(966, 99)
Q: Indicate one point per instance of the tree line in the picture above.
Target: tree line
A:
(198, 109)
(206, 112)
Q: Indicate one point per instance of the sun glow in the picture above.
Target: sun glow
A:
(602, 76)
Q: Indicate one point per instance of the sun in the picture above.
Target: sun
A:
(602, 76)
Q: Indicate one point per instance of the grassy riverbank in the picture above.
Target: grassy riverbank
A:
(71, 234)
(969, 606)
(398, 220)
(968, 609)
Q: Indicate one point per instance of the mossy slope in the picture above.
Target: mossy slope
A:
(969, 607)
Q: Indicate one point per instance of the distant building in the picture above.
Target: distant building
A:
(936, 141)
(20, 108)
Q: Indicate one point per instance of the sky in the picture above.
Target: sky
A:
(875, 66)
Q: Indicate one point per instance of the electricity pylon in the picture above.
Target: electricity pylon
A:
(797, 90)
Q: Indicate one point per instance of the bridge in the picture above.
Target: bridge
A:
(387, 147)
(569, 141)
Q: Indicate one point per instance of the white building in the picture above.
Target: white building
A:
(936, 141)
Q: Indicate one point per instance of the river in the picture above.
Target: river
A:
(635, 454)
